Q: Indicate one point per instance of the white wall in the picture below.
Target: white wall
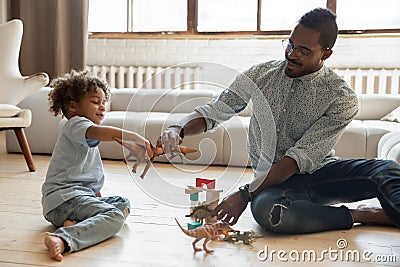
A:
(239, 54)
(236, 54)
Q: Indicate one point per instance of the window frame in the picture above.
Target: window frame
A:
(191, 32)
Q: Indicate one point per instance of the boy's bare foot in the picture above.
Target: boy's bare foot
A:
(366, 215)
(69, 223)
(56, 247)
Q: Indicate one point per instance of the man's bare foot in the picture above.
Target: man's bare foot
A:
(56, 247)
(69, 223)
(366, 215)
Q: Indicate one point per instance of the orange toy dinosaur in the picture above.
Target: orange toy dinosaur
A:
(207, 231)
(139, 152)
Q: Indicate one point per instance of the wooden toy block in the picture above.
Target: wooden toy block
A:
(193, 225)
(193, 190)
(212, 196)
(194, 197)
(209, 183)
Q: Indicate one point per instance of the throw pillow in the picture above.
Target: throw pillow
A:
(392, 116)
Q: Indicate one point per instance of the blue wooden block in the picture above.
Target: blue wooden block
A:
(193, 225)
(194, 197)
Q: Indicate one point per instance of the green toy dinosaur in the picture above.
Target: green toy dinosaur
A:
(246, 237)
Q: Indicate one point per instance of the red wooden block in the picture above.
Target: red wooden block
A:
(210, 183)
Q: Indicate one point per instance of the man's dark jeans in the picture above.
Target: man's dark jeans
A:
(302, 203)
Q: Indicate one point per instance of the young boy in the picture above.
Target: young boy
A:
(71, 192)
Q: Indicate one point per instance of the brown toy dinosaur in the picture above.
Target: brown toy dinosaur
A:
(207, 231)
(139, 152)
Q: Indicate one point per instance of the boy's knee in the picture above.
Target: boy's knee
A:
(118, 220)
(123, 204)
(127, 207)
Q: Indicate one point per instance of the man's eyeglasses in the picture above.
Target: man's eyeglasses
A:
(301, 52)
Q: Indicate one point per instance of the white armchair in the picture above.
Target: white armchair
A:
(14, 87)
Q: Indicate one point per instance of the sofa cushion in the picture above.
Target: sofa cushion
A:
(374, 107)
(235, 141)
(151, 125)
(7, 111)
(159, 100)
(353, 142)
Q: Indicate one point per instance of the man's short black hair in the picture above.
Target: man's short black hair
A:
(323, 21)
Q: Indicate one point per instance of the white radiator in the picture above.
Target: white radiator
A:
(371, 81)
(362, 81)
(181, 77)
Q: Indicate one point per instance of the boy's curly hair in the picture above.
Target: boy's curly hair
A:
(72, 87)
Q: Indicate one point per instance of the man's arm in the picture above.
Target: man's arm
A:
(231, 207)
(191, 124)
(279, 173)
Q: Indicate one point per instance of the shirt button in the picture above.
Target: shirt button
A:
(277, 130)
(284, 110)
(292, 91)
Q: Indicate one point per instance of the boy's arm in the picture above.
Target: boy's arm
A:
(108, 133)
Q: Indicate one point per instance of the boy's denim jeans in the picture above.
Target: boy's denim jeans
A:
(302, 203)
(97, 219)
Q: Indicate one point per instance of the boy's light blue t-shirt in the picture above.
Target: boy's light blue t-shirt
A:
(75, 167)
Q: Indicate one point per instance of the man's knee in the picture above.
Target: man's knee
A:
(268, 210)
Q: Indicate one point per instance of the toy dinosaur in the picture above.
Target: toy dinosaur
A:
(220, 232)
(139, 152)
(246, 237)
(207, 231)
(202, 213)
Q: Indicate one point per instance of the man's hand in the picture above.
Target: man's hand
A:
(230, 209)
(170, 141)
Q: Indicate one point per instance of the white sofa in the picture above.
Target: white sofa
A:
(149, 111)
(362, 135)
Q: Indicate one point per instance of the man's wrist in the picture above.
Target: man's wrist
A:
(180, 129)
(245, 191)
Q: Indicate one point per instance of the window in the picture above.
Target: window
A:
(382, 14)
(159, 15)
(227, 15)
(236, 16)
(282, 15)
(102, 18)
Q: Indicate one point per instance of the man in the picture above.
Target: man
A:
(311, 106)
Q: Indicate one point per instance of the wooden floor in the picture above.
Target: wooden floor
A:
(151, 237)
